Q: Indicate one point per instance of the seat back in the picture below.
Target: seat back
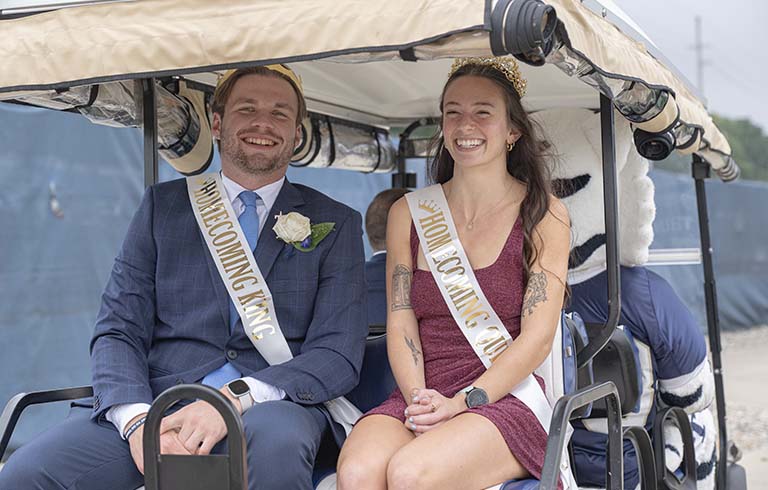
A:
(559, 371)
(616, 362)
(376, 379)
(575, 338)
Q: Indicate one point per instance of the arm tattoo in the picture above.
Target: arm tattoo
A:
(414, 351)
(401, 288)
(535, 293)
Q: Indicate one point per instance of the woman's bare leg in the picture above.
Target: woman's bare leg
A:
(466, 452)
(366, 453)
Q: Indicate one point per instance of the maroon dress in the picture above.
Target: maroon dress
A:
(450, 364)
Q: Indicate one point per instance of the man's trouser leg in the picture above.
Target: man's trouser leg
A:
(282, 439)
(77, 454)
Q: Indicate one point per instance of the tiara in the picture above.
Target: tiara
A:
(507, 66)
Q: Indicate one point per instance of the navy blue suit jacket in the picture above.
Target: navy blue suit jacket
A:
(375, 276)
(164, 317)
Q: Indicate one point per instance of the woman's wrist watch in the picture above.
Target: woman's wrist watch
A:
(240, 390)
(475, 397)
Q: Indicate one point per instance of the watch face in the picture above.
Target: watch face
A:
(476, 397)
(238, 387)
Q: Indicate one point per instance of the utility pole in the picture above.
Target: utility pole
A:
(699, 47)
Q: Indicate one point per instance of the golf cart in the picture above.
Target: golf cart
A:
(153, 64)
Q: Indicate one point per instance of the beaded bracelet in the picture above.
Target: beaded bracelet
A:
(134, 426)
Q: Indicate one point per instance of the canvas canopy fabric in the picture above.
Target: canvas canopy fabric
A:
(326, 42)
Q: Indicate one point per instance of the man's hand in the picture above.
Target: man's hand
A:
(429, 409)
(199, 426)
(169, 444)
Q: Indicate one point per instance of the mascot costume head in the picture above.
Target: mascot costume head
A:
(578, 180)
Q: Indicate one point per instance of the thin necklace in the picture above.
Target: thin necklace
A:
(471, 223)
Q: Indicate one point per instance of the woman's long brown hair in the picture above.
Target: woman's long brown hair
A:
(525, 162)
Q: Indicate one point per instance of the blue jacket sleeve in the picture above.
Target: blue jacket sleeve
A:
(123, 332)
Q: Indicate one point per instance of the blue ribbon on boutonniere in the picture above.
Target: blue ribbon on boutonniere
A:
(296, 229)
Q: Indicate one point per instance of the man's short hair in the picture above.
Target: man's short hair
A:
(221, 95)
(376, 217)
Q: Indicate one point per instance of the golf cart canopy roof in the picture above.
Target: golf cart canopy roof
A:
(357, 58)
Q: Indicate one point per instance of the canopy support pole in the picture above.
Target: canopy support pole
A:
(611, 214)
(701, 171)
(402, 179)
(149, 120)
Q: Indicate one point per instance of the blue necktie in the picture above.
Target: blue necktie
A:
(249, 222)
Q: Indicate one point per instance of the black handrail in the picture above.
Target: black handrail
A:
(18, 403)
(646, 463)
(667, 480)
(701, 172)
(235, 439)
(556, 440)
(611, 213)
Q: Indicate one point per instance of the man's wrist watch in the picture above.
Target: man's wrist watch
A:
(240, 390)
(476, 397)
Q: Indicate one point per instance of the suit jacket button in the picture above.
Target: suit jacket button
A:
(231, 355)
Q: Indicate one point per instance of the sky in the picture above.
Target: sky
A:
(735, 39)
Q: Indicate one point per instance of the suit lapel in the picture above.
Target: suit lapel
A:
(269, 246)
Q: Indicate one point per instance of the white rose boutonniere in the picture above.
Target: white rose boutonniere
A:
(296, 229)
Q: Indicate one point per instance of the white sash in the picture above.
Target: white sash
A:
(469, 307)
(245, 284)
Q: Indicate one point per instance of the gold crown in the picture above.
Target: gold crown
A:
(282, 69)
(507, 66)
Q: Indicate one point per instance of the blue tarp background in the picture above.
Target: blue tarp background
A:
(54, 267)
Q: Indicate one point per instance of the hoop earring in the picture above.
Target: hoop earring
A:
(510, 146)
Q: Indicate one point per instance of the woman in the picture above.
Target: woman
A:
(516, 237)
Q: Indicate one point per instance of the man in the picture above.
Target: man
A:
(375, 268)
(166, 317)
(672, 357)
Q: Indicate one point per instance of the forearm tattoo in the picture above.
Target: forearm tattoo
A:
(414, 351)
(401, 288)
(535, 293)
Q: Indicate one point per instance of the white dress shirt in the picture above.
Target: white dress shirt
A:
(121, 415)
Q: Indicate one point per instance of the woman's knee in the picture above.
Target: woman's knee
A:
(363, 469)
(354, 473)
(407, 471)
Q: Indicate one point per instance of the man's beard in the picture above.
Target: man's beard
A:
(252, 164)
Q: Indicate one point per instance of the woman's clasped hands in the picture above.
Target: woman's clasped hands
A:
(430, 409)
